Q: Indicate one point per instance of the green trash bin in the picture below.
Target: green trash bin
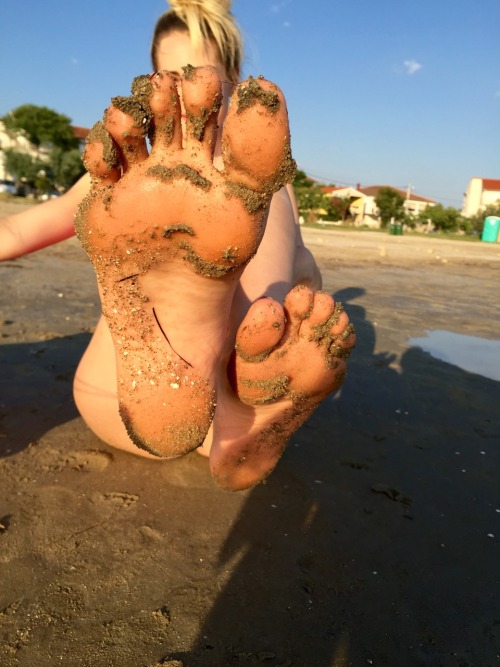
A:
(396, 228)
(491, 229)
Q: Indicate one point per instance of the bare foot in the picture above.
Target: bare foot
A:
(169, 235)
(287, 361)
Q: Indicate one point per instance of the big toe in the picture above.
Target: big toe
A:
(256, 137)
(261, 330)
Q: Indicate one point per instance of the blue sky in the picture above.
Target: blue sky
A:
(395, 92)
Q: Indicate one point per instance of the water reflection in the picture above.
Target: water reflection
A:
(473, 354)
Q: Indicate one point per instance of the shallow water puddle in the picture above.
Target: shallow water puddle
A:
(473, 354)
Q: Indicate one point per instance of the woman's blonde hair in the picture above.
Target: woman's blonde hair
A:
(203, 19)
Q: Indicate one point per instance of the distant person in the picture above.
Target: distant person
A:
(194, 349)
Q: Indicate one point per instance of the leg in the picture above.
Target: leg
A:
(281, 262)
(287, 361)
(169, 236)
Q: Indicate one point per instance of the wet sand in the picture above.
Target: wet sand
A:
(375, 542)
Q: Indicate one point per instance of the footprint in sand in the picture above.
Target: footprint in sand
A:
(90, 461)
(119, 499)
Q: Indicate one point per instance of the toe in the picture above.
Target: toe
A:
(261, 330)
(127, 124)
(328, 324)
(166, 129)
(256, 137)
(340, 322)
(202, 97)
(299, 302)
(344, 341)
(100, 156)
(322, 309)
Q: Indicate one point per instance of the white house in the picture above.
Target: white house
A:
(481, 192)
(18, 142)
(364, 209)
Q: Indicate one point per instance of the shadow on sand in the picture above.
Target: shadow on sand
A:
(36, 388)
(369, 545)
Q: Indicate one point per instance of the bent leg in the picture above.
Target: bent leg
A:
(281, 262)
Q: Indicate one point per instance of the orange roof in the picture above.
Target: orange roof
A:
(491, 184)
(373, 190)
(80, 132)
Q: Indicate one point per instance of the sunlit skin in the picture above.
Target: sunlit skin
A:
(241, 452)
(167, 297)
(175, 52)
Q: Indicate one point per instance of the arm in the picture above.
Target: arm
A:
(41, 225)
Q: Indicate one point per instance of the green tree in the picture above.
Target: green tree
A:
(24, 167)
(447, 219)
(390, 205)
(66, 166)
(310, 199)
(41, 125)
(302, 180)
(338, 208)
(477, 221)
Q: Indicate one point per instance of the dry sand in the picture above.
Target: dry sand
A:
(375, 542)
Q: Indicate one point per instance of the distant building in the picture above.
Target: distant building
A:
(15, 141)
(342, 193)
(363, 208)
(18, 142)
(81, 134)
(481, 192)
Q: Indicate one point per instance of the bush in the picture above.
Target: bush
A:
(477, 221)
(447, 219)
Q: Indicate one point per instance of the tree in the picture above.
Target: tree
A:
(390, 205)
(310, 199)
(477, 221)
(41, 125)
(24, 167)
(339, 208)
(67, 167)
(302, 180)
(447, 219)
(59, 171)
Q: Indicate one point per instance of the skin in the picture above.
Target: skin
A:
(168, 311)
(268, 274)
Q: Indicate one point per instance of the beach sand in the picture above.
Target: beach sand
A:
(375, 541)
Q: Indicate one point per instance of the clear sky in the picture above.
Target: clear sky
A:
(380, 92)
